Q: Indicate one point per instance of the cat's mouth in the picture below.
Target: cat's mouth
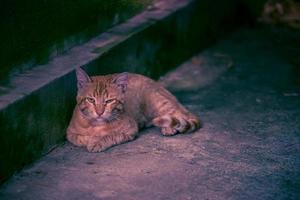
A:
(98, 121)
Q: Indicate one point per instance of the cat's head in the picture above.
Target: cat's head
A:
(101, 99)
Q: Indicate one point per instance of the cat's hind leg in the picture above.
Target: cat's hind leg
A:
(172, 124)
(167, 124)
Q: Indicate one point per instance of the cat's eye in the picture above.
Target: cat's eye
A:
(90, 99)
(109, 101)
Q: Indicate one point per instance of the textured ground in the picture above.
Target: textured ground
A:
(246, 90)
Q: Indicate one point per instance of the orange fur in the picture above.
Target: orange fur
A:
(111, 108)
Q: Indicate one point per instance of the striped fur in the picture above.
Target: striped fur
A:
(110, 109)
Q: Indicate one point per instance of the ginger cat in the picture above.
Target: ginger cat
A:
(110, 109)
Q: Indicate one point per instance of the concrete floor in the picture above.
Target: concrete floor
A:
(248, 148)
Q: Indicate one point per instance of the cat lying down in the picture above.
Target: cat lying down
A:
(110, 110)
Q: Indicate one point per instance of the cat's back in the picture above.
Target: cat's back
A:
(136, 82)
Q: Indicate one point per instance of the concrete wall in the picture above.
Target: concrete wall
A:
(33, 31)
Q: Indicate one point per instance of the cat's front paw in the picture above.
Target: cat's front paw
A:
(96, 147)
(77, 139)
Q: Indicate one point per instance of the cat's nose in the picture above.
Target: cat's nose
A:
(99, 111)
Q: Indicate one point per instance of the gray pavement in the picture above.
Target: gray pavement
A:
(248, 147)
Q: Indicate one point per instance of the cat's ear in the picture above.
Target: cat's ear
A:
(121, 81)
(82, 78)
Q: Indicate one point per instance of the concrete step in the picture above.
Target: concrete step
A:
(36, 105)
(248, 148)
(35, 31)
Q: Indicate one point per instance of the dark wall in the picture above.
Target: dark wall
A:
(34, 125)
(254, 7)
(34, 30)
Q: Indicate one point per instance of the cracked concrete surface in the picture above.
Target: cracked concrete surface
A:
(248, 148)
